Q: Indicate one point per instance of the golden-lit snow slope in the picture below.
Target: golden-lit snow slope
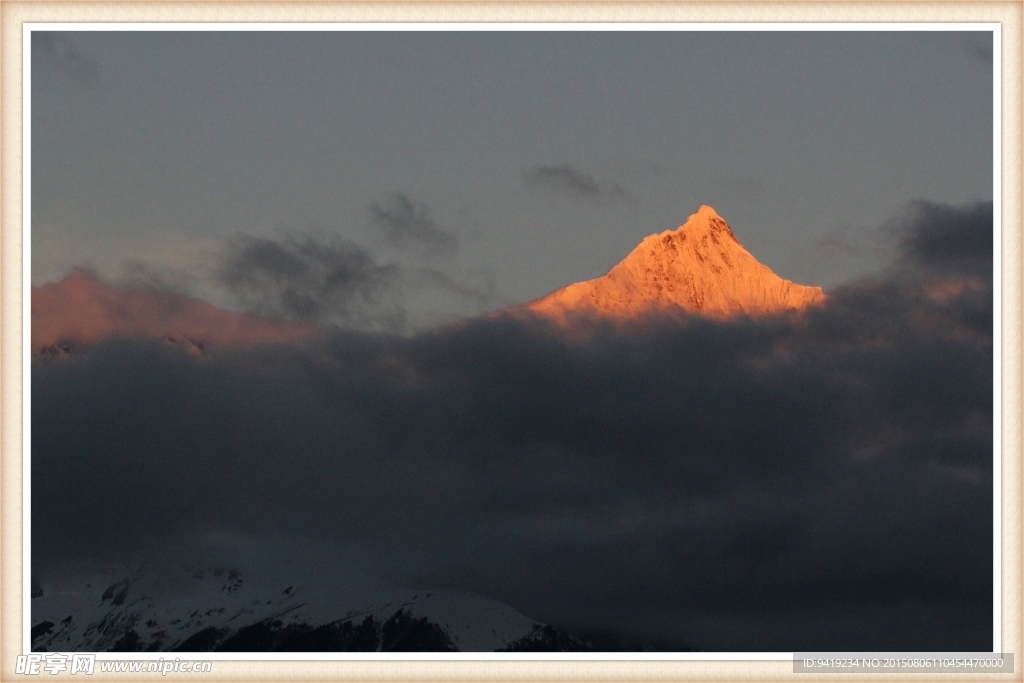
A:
(700, 266)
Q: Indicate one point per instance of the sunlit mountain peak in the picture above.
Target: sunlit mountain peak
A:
(699, 267)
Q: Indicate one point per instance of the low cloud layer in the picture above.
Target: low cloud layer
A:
(572, 182)
(787, 483)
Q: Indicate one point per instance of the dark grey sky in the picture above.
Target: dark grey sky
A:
(492, 167)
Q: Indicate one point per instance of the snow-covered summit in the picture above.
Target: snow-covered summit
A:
(699, 267)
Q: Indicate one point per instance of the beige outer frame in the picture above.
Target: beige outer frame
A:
(14, 14)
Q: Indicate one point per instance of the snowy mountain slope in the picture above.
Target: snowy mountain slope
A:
(222, 609)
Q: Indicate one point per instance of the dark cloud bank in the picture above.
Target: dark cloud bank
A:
(788, 483)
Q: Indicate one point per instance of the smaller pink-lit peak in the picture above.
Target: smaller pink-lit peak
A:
(81, 309)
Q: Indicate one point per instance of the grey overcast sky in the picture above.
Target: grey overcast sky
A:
(492, 166)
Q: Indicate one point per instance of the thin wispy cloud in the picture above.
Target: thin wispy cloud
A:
(138, 274)
(569, 181)
(406, 223)
(305, 278)
(978, 45)
(55, 52)
(477, 288)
